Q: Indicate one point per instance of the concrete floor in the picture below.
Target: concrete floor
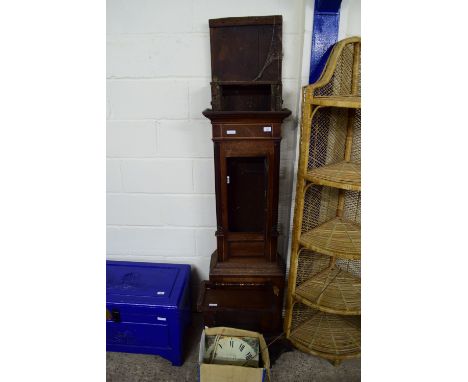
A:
(290, 366)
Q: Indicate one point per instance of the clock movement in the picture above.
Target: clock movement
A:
(246, 283)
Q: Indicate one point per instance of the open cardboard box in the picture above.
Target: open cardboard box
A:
(229, 373)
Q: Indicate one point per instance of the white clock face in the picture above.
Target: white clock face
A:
(232, 348)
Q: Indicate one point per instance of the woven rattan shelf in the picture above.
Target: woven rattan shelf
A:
(343, 175)
(324, 286)
(350, 102)
(333, 290)
(328, 335)
(336, 237)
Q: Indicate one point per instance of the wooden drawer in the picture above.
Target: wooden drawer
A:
(246, 131)
(233, 131)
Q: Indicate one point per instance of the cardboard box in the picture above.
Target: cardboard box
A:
(229, 373)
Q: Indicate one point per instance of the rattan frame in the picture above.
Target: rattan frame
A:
(329, 229)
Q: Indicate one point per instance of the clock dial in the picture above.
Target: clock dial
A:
(232, 351)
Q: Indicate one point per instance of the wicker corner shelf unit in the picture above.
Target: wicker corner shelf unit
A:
(324, 293)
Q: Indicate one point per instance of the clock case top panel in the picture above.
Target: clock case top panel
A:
(246, 61)
(246, 48)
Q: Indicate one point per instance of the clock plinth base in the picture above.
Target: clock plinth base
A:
(244, 297)
(242, 306)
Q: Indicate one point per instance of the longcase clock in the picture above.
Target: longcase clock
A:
(246, 283)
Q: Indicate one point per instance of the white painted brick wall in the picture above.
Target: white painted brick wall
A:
(134, 210)
(185, 138)
(148, 99)
(151, 241)
(157, 175)
(206, 241)
(131, 138)
(158, 56)
(161, 210)
(199, 97)
(160, 173)
(203, 176)
(113, 178)
(149, 16)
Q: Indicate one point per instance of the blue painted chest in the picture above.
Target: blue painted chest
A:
(147, 308)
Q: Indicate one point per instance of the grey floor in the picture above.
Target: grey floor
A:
(290, 366)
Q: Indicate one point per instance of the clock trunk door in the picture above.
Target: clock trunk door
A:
(246, 181)
(247, 194)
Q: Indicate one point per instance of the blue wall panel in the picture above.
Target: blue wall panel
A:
(324, 34)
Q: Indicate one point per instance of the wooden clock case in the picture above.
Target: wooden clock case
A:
(246, 283)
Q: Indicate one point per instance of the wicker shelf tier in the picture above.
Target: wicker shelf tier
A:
(343, 175)
(329, 336)
(351, 102)
(333, 290)
(337, 237)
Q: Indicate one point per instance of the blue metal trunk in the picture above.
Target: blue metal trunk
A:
(148, 308)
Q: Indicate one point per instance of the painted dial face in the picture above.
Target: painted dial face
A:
(232, 348)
